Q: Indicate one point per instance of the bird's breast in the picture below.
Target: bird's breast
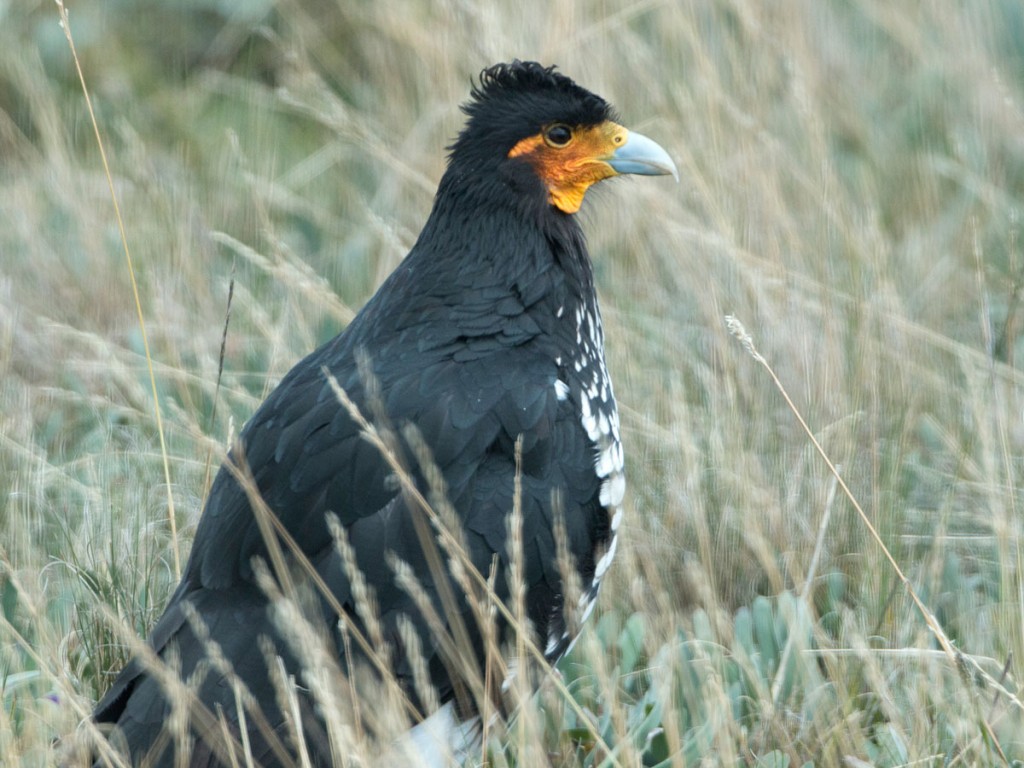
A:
(585, 382)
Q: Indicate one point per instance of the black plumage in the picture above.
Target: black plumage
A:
(487, 333)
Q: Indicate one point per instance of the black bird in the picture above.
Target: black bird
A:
(487, 339)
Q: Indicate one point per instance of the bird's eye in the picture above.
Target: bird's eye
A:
(558, 135)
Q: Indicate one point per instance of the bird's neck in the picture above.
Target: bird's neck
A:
(495, 243)
(486, 274)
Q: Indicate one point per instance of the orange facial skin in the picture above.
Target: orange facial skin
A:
(568, 169)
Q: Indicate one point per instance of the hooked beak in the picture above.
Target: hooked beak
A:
(642, 156)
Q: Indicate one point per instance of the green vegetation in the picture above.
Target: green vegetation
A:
(852, 190)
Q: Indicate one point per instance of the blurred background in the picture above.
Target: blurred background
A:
(852, 183)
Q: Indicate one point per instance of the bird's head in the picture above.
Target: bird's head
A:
(540, 130)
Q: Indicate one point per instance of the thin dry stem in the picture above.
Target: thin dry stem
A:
(955, 656)
(171, 517)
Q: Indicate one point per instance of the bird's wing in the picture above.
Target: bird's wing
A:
(308, 458)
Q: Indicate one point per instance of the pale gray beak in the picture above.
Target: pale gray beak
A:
(642, 156)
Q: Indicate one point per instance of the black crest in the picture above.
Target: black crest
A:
(512, 101)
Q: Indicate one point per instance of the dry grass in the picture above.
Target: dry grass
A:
(852, 185)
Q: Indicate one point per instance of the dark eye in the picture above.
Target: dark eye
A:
(558, 135)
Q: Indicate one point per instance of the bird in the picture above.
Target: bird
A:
(483, 355)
